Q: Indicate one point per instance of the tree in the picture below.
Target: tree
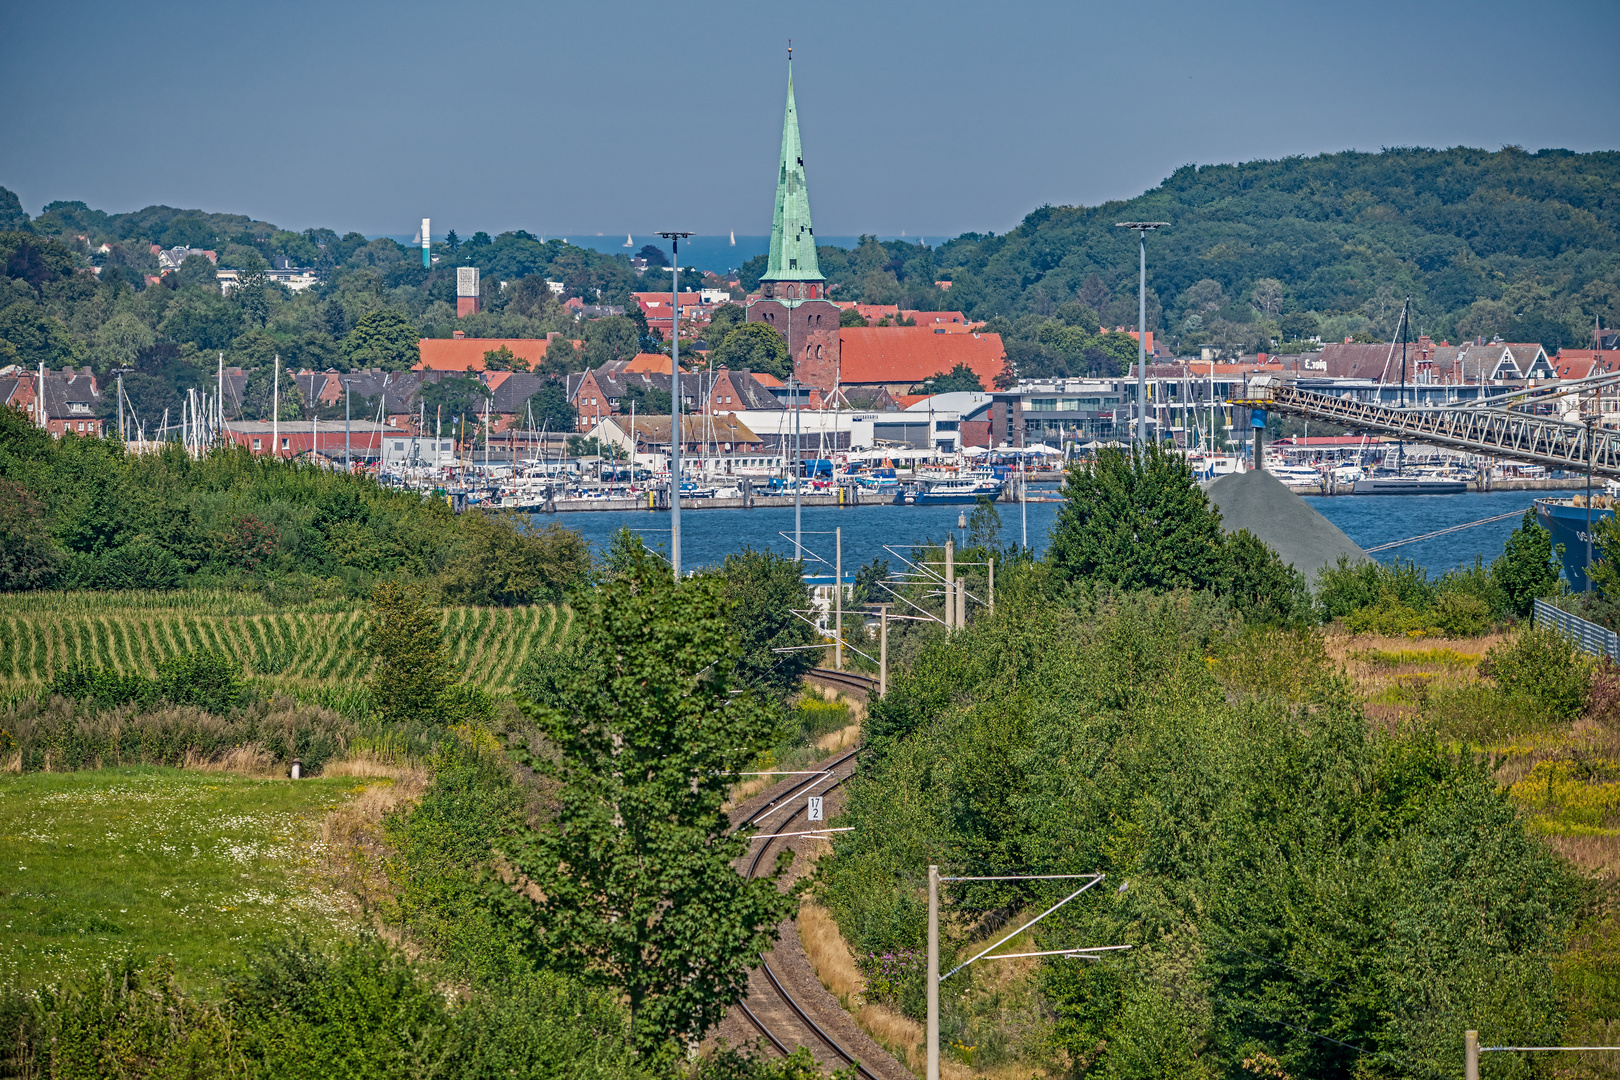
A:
(754, 346)
(960, 377)
(452, 241)
(764, 589)
(1261, 585)
(504, 359)
(551, 408)
(28, 559)
(198, 271)
(635, 887)
(384, 339)
(984, 527)
(12, 215)
(648, 400)
(609, 339)
(503, 561)
(38, 338)
(1135, 520)
(851, 317)
(866, 589)
(412, 670)
(455, 395)
(1527, 569)
(119, 341)
(653, 254)
(723, 320)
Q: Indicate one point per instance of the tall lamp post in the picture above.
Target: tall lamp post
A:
(1142, 229)
(675, 239)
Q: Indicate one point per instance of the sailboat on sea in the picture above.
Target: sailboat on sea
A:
(733, 237)
(628, 242)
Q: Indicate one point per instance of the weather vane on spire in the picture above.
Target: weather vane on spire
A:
(790, 50)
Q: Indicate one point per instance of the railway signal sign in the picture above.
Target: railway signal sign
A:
(815, 808)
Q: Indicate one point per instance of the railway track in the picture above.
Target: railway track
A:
(773, 1002)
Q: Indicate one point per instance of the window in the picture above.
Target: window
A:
(1040, 404)
(256, 444)
(284, 444)
(81, 425)
(793, 264)
(399, 445)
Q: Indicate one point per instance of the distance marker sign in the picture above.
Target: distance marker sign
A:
(815, 808)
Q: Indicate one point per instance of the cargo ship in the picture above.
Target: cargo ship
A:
(1566, 520)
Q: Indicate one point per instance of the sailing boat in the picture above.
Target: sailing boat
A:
(628, 242)
(733, 237)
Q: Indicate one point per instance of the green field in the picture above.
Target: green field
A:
(41, 633)
(194, 865)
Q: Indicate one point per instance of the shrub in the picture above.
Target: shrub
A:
(1460, 614)
(1390, 618)
(1541, 665)
(205, 678)
(1348, 587)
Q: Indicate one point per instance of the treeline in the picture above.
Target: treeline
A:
(82, 513)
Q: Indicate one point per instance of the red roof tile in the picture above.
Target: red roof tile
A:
(459, 354)
(910, 354)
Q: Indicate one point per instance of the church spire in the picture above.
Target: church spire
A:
(793, 241)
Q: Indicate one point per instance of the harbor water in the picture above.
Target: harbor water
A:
(708, 536)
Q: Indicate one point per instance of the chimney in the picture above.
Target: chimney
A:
(457, 335)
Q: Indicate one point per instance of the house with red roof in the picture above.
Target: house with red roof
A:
(900, 358)
(467, 354)
(1584, 363)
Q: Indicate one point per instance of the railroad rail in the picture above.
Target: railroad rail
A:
(856, 685)
(1492, 430)
(840, 768)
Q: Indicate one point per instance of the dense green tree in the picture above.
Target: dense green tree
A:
(851, 317)
(961, 377)
(1135, 520)
(764, 590)
(384, 339)
(35, 337)
(636, 891)
(120, 341)
(1528, 568)
(12, 215)
(551, 408)
(455, 395)
(28, 559)
(756, 347)
(648, 400)
(411, 669)
(504, 561)
(610, 339)
(202, 318)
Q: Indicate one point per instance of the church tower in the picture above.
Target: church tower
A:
(793, 294)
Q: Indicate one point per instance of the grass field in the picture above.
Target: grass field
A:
(294, 650)
(195, 865)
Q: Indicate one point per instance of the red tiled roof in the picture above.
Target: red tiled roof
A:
(908, 400)
(459, 354)
(649, 361)
(1579, 363)
(662, 298)
(765, 379)
(910, 354)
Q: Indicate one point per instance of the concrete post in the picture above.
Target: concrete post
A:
(933, 973)
(1470, 1055)
(883, 650)
(838, 597)
(950, 582)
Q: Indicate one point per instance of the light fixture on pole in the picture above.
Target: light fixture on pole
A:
(1142, 229)
(120, 372)
(675, 239)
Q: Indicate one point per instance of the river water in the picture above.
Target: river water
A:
(708, 536)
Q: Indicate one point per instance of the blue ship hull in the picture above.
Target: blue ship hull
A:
(1567, 523)
(966, 498)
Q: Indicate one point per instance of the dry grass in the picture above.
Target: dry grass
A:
(250, 760)
(1393, 673)
(900, 1035)
(830, 955)
(366, 765)
(352, 834)
(842, 739)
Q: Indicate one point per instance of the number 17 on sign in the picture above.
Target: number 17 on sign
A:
(815, 808)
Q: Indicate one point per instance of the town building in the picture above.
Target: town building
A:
(71, 399)
(459, 353)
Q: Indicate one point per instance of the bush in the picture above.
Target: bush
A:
(1459, 614)
(1348, 587)
(59, 734)
(1389, 617)
(1541, 665)
(205, 678)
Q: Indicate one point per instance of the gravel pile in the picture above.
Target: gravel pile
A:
(1259, 502)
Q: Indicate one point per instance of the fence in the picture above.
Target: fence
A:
(1589, 636)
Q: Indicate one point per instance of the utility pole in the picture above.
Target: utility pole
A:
(950, 583)
(883, 648)
(1142, 229)
(675, 239)
(1590, 420)
(347, 467)
(933, 972)
(275, 410)
(838, 593)
(798, 466)
(122, 437)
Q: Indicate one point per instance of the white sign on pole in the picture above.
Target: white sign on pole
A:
(815, 808)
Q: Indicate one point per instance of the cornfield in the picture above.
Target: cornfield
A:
(299, 651)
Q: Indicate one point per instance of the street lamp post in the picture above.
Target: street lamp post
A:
(675, 239)
(1142, 229)
(122, 437)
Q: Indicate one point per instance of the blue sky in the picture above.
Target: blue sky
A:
(933, 118)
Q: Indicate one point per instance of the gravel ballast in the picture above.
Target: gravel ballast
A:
(1259, 502)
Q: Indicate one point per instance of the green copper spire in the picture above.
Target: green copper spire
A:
(793, 241)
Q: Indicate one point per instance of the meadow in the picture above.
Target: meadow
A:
(292, 651)
(191, 864)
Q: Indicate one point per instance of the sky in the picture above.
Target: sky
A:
(925, 119)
